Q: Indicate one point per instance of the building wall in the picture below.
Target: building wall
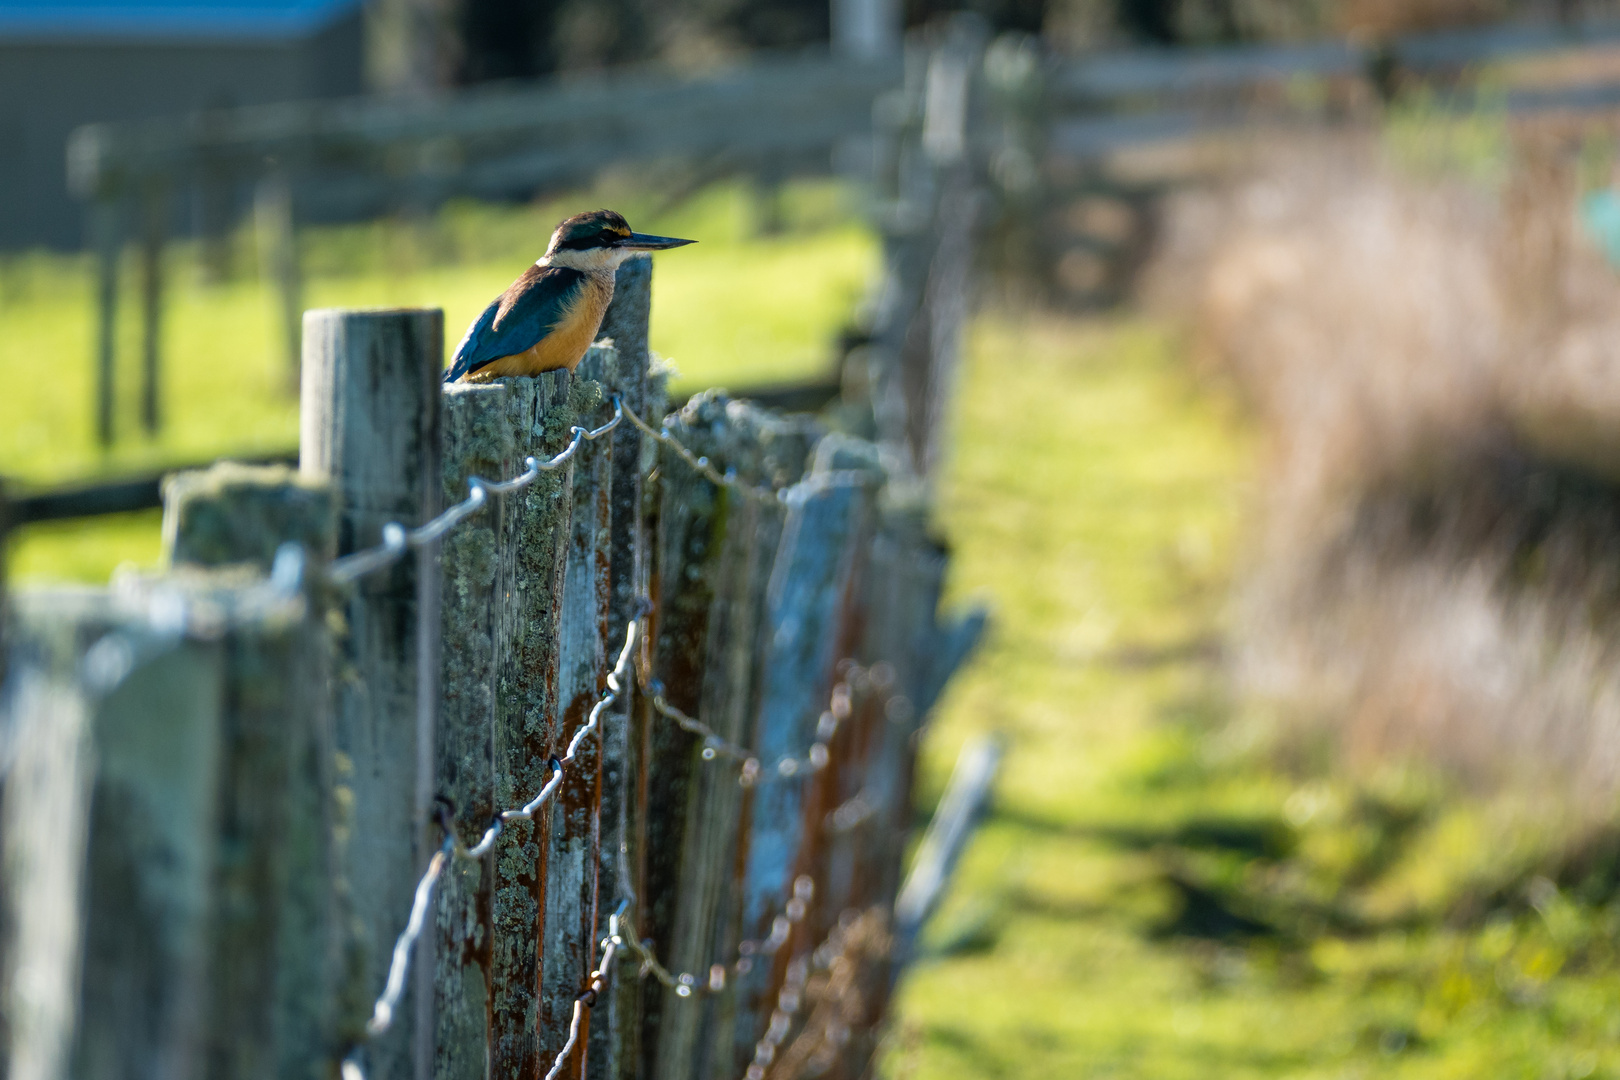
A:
(48, 88)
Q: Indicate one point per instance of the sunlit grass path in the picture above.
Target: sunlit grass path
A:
(1093, 498)
(1151, 897)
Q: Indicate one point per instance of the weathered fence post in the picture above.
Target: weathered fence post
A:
(277, 926)
(588, 645)
(165, 830)
(930, 171)
(480, 439)
(615, 1033)
(717, 546)
(810, 627)
(276, 229)
(503, 581)
(370, 428)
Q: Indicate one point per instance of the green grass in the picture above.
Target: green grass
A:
(1153, 896)
(736, 309)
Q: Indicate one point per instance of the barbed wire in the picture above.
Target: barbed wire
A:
(839, 707)
(727, 479)
(397, 539)
(819, 476)
(383, 1010)
(286, 579)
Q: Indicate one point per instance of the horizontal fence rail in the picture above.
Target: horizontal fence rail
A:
(493, 143)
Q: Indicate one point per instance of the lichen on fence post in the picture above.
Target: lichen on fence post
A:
(479, 565)
(717, 547)
(615, 1028)
(587, 645)
(537, 531)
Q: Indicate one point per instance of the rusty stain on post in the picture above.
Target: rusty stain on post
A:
(614, 1035)
(525, 723)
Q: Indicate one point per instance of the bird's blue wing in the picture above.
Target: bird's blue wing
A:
(518, 318)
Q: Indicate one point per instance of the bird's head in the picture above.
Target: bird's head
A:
(601, 240)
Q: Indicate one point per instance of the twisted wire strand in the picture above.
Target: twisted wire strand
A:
(716, 746)
(397, 539)
(819, 477)
(727, 479)
(384, 1009)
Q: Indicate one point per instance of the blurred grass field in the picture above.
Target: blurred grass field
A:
(737, 308)
(1154, 894)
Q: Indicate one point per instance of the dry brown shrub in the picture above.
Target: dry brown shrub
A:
(1437, 366)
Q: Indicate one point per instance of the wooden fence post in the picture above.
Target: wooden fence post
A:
(588, 644)
(480, 439)
(154, 210)
(928, 248)
(503, 577)
(370, 428)
(616, 1028)
(810, 626)
(276, 234)
(165, 830)
(716, 551)
(109, 830)
(278, 923)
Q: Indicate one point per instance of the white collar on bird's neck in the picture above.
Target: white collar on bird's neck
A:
(599, 260)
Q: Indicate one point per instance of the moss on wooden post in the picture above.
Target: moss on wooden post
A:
(535, 531)
(234, 513)
(615, 1027)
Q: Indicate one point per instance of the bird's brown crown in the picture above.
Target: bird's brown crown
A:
(593, 229)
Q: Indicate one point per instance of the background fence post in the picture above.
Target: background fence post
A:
(276, 229)
(369, 426)
(154, 227)
(107, 238)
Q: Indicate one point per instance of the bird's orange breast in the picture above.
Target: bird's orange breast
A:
(569, 338)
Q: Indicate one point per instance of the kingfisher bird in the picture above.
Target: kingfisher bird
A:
(550, 315)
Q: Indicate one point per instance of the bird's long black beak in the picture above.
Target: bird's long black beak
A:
(645, 242)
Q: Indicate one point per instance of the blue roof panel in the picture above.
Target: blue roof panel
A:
(167, 19)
